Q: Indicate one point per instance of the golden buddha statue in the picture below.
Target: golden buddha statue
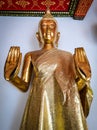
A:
(61, 96)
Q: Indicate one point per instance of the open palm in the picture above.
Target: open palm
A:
(13, 62)
(82, 63)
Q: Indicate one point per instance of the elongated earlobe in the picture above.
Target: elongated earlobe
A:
(39, 39)
(57, 39)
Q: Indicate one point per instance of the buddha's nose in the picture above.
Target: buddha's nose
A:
(48, 29)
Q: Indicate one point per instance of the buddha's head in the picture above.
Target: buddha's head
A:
(47, 30)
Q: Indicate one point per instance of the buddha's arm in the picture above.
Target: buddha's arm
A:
(83, 76)
(86, 93)
(12, 67)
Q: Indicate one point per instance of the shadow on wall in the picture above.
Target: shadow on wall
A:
(94, 31)
(95, 8)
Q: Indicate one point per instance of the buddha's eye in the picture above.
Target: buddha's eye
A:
(44, 25)
(52, 26)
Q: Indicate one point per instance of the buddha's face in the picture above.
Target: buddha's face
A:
(48, 30)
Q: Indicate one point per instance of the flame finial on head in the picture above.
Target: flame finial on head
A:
(48, 14)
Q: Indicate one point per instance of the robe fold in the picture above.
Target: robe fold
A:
(54, 102)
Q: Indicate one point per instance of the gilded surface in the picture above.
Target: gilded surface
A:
(61, 96)
(54, 102)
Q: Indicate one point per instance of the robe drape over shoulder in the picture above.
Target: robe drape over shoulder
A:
(54, 102)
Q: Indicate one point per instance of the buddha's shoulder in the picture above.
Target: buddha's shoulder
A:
(65, 53)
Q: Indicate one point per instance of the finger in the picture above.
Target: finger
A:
(18, 65)
(80, 54)
(18, 51)
(12, 54)
(9, 55)
(15, 54)
(79, 58)
(19, 61)
(84, 57)
(76, 57)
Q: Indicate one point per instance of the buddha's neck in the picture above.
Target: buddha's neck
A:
(48, 46)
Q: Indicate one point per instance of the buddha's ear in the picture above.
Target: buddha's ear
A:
(38, 36)
(39, 39)
(57, 39)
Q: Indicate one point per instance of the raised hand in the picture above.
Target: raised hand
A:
(82, 63)
(13, 62)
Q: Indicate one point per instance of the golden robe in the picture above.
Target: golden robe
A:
(54, 102)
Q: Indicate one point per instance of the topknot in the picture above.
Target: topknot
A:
(48, 14)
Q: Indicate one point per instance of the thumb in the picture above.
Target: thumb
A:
(18, 66)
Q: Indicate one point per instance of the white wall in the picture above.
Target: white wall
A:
(20, 31)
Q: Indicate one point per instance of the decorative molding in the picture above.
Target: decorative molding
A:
(37, 7)
(59, 8)
(82, 8)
